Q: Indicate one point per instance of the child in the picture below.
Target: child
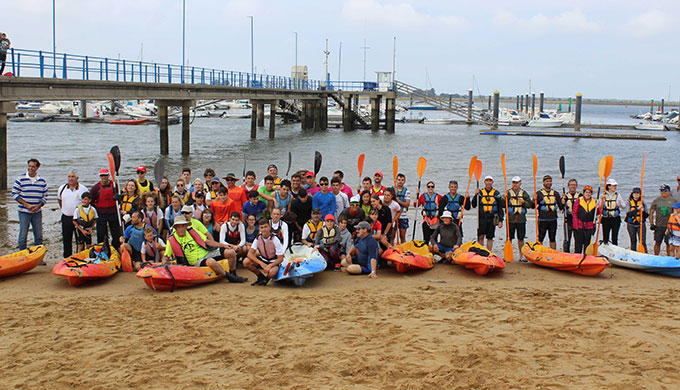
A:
(152, 214)
(199, 203)
(267, 193)
(233, 233)
(84, 219)
(634, 207)
(222, 207)
(252, 231)
(254, 206)
(673, 231)
(345, 241)
(326, 242)
(311, 228)
(376, 230)
(152, 248)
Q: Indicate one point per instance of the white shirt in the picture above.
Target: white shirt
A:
(70, 199)
(241, 230)
(341, 203)
(394, 208)
(277, 245)
(284, 231)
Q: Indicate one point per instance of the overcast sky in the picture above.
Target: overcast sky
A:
(601, 48)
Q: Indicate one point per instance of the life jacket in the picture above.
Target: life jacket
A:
(488, 201)
(313, 229)
(283, 203)
(453, 204)
(266, 248)
(177, 248)
(150, 218)
(548, 203)
(401, 195)
(233, 236)
(213, 194)
(430, 206)
(516, 202)
(381, 191)
(150, 249)
(85, 219)
(197, 212)
(143, 188)
(185, 196)
(126, 203)
(586, 210)
(570, 201)
(634, 218)
(278, 232)
(277, 183)
(105, 199)
(674, 225)
(329, 235)
(611, 208)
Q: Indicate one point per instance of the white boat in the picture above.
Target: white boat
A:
(649, 126)
(544, 120)
(437, 121)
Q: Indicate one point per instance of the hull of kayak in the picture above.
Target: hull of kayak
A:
(299, 264)
(129, 122)
(22, 261)
(78, 269)
(621, 257)
(475, 257)
(562, 261)
(170, 276)
(410, 256)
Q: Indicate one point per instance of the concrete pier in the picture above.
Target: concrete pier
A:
(186, 134)
(389, 115)
(272, 119)
(496, 99)
(577, 115)
(375, 113)
(540, 102)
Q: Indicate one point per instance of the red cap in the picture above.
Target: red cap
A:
(103, 172)
(309, 174)
(378, 173)
(141, 168)
(329, 217)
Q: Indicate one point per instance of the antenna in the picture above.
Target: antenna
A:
(339, 61)
(365, 48)
(326, 53)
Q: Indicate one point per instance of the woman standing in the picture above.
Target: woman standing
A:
(611, 212)
(164, 193)
(583, 215)
(633, 209)
(130, 200)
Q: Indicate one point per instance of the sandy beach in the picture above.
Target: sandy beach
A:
(525, 327)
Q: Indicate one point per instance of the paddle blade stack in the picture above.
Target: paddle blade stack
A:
(508, 254)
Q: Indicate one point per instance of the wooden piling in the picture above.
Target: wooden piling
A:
(83, 109)
(163, 124)
(389, 115)
(253, 121)
(526, 104)
(375, 113)
(317, 115)
(186, 124)
(496, 100)
(260, 114)
(517, 105)
(272, 119)
(577, 116)
(469, 107)
(347, 114)
(489, 108)
(540, 102)
(323, 110)
(663, 101)
(521, 103)
(533, 104)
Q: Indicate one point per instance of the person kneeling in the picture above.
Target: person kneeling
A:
(363, 255)
(449, 237)
(327, 241)
(264, 255)
(190, 247)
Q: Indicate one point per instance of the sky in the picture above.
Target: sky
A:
(603, 49)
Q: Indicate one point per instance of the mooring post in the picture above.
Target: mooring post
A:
(469, 107)
(517, 105)
(521, 104)
(253, 120)
(577, 117)
(389, 115)
(272, 119)
(533, 104)
(496, 100)
(323, 108)
(663, 101)
(260, 114)
(163, 123)
(526, 104)
(375, 113)
(489, 103)
(347, 115)
(540, 102)
(186, 135)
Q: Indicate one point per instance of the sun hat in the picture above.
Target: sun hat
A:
(180, 220)
(187, 209)
(447, 214)
(612, 182)
(488, 177)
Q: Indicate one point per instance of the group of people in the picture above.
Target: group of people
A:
(201, 221)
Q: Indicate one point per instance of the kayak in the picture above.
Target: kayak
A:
(86, 266)
(300, 263)
(474, 256)
(562, 261)
(410, 256)
(22, 261)
(167, 277)
(129, 121)
(666, 265)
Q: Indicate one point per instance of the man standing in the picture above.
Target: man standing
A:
(103, 200)
(453, 202)
(343, 187)
(30, 191)
(490, 212)
(324, 200)
(4, 46)
(518, 203)
(295, 185)
(568, 200)
(143, 185)
(68, 196)
(311, 186)
(403, 198)
(548, 201)
(660, 211)
(341, 199)
(378, 188)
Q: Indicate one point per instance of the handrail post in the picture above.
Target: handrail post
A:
(18, 64)
(86, 68)
(192, 75)
(101, 70)
(65, 68)
(169, 74)
(106, 67)
(14, 72)
(140, 71)
(181, 77)
(41, 64)
(146, 73)
(202, 75)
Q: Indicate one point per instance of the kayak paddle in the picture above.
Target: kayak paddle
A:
(360, 165)
(478, 174)
(114, 165)
(564, 210)
(290, 160)
(533, 156)
(244, 167)
(158, 171)
(507, 250)
(395, 168)
(317, 162)
(601, 166)
(609, 162)
(641, 247)
(471, 171)
(422, 164)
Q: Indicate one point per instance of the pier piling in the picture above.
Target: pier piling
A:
(517, 105)
(577, 116)
(186, 124)
(272, 119)
(541, 97)
(533, 104)
(83, 109)
(526, 104)
(663, 101)
(521, 104)
(389, 115)
(323, 111)
(253, 121)
(163, 124)
(375, 113)
(317, 115)
(5, 107)
(347, 118)
(496, 100)
(469, 107)
(260, 114)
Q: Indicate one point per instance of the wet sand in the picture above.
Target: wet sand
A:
(525, 327)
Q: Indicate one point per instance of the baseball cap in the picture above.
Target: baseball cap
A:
(329, 217)
(270, 166)
(637, 190)
(103, 172)
(612, 182)
(363, 225)
(355, 199)
(180, 220)
(187, 209)
(378, 173)
(517, 179)
(488, 177)
(141, 168)
(309, 174)
(676, 205)
(199, 194)
(665, 187)
(215, 180)
(447, 214)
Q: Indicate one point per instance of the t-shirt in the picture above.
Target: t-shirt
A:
(70, 199)
(277, 244)
(368, 249)
(345, 189)
(312, 191)
(302, 210)
(385, 217)
(192, 251)
(4, 45)
(324, 202)
(341, 203)
(135, 237)
(353, 219)
(263, 190)
(664, 209)
(394, 209)
(254, 209)
(222, 211)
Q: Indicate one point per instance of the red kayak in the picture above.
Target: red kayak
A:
(167, 277)
(129, 121)
(474, 256)
(410, 256)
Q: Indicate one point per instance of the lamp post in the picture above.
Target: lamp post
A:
(183, 38)
(54, 42)
(296, 58)
(252, 61)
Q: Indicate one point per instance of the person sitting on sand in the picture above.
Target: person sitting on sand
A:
(345, 241)
(134, 237)
(152, 247)
(449, 237)
(265, 255)
(327, 240)
(311, 228)
(363, 255)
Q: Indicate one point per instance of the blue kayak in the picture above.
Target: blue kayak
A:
(665, 265)
(299, 264)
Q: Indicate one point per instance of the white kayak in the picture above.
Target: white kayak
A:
(666, 265)
(299, 264)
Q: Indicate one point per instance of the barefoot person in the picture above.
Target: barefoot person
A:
(446, 237)
(363, 255)
(265, 255)
(490, 212)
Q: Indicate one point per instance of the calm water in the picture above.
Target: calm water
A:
(222, 144)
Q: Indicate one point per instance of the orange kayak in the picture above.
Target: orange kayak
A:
(474, 256)
(22, 261)
(410, 256)
(83, 267)
(167, 277)
(571, 262)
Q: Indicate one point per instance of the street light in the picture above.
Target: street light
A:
(296, 63)
(252, 61)
(54, 42)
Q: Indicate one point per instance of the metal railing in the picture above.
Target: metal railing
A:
(44, 64)
(358, 86)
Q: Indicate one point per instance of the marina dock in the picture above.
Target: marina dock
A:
(571, 133)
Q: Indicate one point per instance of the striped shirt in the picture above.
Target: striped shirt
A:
(32, 190)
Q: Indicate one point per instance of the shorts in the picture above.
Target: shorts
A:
(82, 239)
(660, 235)
(444, 249)
(365, 269)
(486, 227)
(135, 255)
(547, 226)
(403, 223)
(520, 228)
(214, 254)
(674, 240)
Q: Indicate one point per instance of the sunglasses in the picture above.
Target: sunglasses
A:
(140, 172)
(664, 190)
(430, 186)
(323, 184)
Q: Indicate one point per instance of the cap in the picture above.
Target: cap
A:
(215, 180)
(355, 199)
(141, 168)
(447, 214)
(329, 217)
(180, 220)
(612, 182)
(270, 166)
(547, 177)
(589, 188)
(230, 176)
(187, 209)
(488, 177)
(378, 173)
(103, 172)
(637, 190)
(363, 225)
(309, 174)
(676, 205)
(316, 211)
(517, 179)
(665, 187)
(199, 194)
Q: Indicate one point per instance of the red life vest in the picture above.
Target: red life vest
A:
(233, 237)
(150, 218)
(267, 248)
(105, 199)
(177, 248)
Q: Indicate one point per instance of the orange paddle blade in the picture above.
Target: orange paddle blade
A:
(422, 164)
(609, 163)
(503, 167)
(473, 165)
(360, 164)
(601, 167)
(112, 166)
(641, 247)
(508, 253)
(478, 169)
(395, 168)
(535, 164)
